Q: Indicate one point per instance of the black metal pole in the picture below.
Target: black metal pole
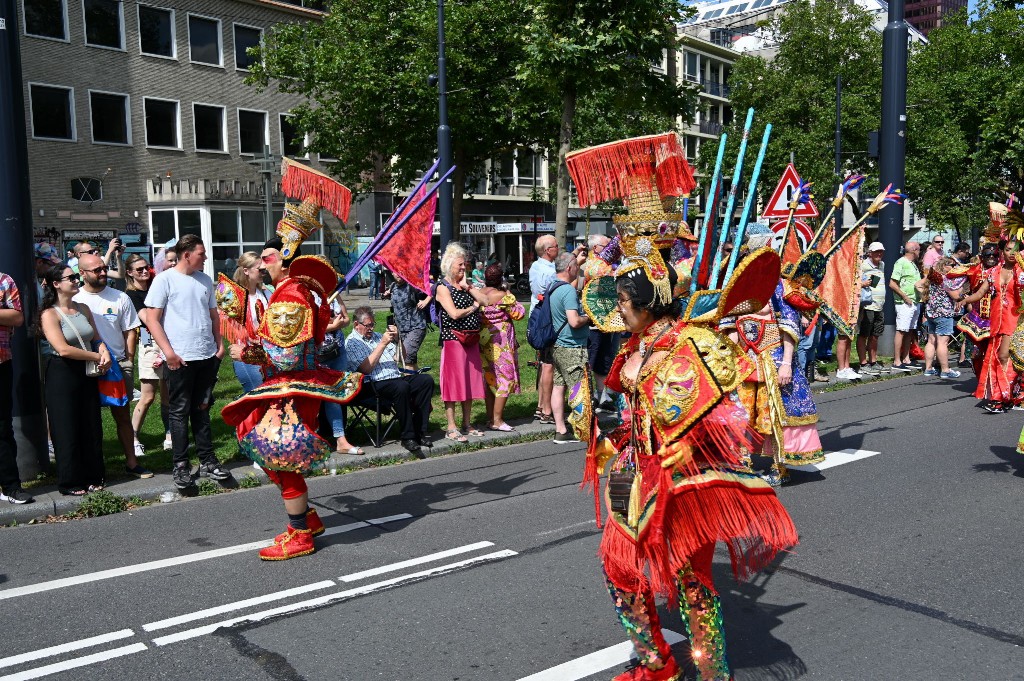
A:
(892, 144)
(16, 256)
(839, 148)
(444, 135)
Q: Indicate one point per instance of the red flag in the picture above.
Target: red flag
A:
(407, 253)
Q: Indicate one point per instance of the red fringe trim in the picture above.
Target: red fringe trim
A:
(231, 330)
(302, 182)
(615, 170)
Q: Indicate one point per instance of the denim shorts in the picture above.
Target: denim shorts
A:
(940, 326)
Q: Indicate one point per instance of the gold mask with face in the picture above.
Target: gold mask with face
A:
(286, 322)
(718, 352)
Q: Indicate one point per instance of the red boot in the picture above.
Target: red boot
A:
(313, 524)
(670, 672)
(293, 543)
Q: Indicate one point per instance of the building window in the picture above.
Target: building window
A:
(163, 125)
(293, 143)
(46, 18)
(528, 168)
(252, 131)
(209, 122)
(156, 31)
(53, 112)
(87, 189)
(692, 67)
(204, 41)
(103, 23)
(111, 123)
(245, 37)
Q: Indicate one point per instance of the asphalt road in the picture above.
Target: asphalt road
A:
(908, 568)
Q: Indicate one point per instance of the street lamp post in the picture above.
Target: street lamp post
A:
(444, 135)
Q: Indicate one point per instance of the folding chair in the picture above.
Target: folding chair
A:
(374, 415)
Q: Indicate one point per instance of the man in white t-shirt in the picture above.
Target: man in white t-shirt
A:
(117, 325)
(184, 323)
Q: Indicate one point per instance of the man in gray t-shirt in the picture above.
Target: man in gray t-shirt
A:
(185, 325)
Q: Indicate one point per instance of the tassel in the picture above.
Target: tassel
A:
(231, 330)
(618, 170)
(301, 182)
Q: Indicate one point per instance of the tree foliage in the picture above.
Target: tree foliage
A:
(591, 61)
(965, 137)
(795, 91)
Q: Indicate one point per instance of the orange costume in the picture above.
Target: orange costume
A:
(996, 380)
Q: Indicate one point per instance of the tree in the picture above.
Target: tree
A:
(594, 57)
(362, 72)
(965, 134)
(795, 92)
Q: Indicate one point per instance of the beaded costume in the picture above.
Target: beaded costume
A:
(676, 482)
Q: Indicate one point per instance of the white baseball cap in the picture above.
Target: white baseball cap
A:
(875, 246)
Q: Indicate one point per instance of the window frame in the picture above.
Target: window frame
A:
(223, 125)
(71, 100)
(145, 125)
(121, 29)
(234, 42)
(266, 129)
(67, 29)
(220, 39)
(305, 138)
(127, 117)
(174, 31)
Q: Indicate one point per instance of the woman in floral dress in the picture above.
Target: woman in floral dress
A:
(499, 346)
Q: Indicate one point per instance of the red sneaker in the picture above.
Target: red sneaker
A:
(313, 524)
(670, 672)
(294, 543)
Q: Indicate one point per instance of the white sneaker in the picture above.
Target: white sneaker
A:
(140, 449)
(848, 374)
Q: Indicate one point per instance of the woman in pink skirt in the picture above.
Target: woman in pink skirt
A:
(461, 372)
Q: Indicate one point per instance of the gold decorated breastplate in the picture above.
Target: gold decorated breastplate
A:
(758, 334)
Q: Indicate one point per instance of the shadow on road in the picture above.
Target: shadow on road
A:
(1012, 462)
(421, 498)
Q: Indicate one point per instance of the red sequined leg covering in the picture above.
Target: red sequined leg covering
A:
(292, 485)
(701, 610)
(639, 616)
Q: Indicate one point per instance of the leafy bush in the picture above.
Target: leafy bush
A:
(100, 503)
(208, 488)
(249, 480)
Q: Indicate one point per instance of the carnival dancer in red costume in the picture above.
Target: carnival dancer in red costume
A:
(1003, 284)
(676, 485)
(277, 422)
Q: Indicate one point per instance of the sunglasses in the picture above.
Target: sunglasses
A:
(97, 270)
(72, 277)
(140, 270)
(89, 252)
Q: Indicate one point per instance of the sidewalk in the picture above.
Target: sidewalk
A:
(51, 502)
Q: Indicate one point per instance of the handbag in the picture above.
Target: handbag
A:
(471, 337)
(330, 349)
(113, 392)
(92, 367)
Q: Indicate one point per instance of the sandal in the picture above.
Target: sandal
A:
(355, 451)
(547, 419)
(475, 433)
(73, 492)
(456, 434)
(95, 488)
(504, 428)
(538, 415)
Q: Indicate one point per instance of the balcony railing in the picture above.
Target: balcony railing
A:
(714, 88)
(711, 127)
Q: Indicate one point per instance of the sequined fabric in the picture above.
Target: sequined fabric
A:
(701, 611)
(639, 617)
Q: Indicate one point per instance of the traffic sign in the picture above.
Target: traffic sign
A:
(803, 231)
(778, 205)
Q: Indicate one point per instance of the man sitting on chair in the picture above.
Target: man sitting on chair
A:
(376, 356)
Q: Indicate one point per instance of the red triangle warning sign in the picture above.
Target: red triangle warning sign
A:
(778, 205)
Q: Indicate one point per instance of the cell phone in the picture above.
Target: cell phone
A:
(391, 320)
(874, 280)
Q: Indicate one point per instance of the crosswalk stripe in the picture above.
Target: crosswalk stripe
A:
(833, 459)
(595, 662)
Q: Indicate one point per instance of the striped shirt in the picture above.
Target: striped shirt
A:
(10, 299)
(359, 348)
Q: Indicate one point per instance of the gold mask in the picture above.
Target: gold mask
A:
(718, 352)
(286, 322)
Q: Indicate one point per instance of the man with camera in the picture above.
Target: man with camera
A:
(375, 356)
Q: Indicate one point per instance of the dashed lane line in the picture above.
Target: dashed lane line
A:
(178, 560)
(833, 459)
(430, 558)
(75, 663)
(595, 662)
(71, 646)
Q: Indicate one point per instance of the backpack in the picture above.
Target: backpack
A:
(540, 331)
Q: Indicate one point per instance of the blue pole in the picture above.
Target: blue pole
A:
(707, 232)
(737, 177)
(741, 228)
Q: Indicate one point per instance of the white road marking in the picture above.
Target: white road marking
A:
(329, 598)
(178, 560)
(237, 605)
(65, 648)
(588, 665)
(567, 527)
(75, 663)
(833, 459)
(356, 576)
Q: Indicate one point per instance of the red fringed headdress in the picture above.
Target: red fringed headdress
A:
(301, 182)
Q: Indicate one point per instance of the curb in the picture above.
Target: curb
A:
(48, 501)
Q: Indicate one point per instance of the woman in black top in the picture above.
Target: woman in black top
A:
(462, 378)
(140, 276)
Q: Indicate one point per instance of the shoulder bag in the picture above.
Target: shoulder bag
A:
(92, 367)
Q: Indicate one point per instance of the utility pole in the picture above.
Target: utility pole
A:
(266, 163)
(444, 136)
(16, 256)
(892, 145)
